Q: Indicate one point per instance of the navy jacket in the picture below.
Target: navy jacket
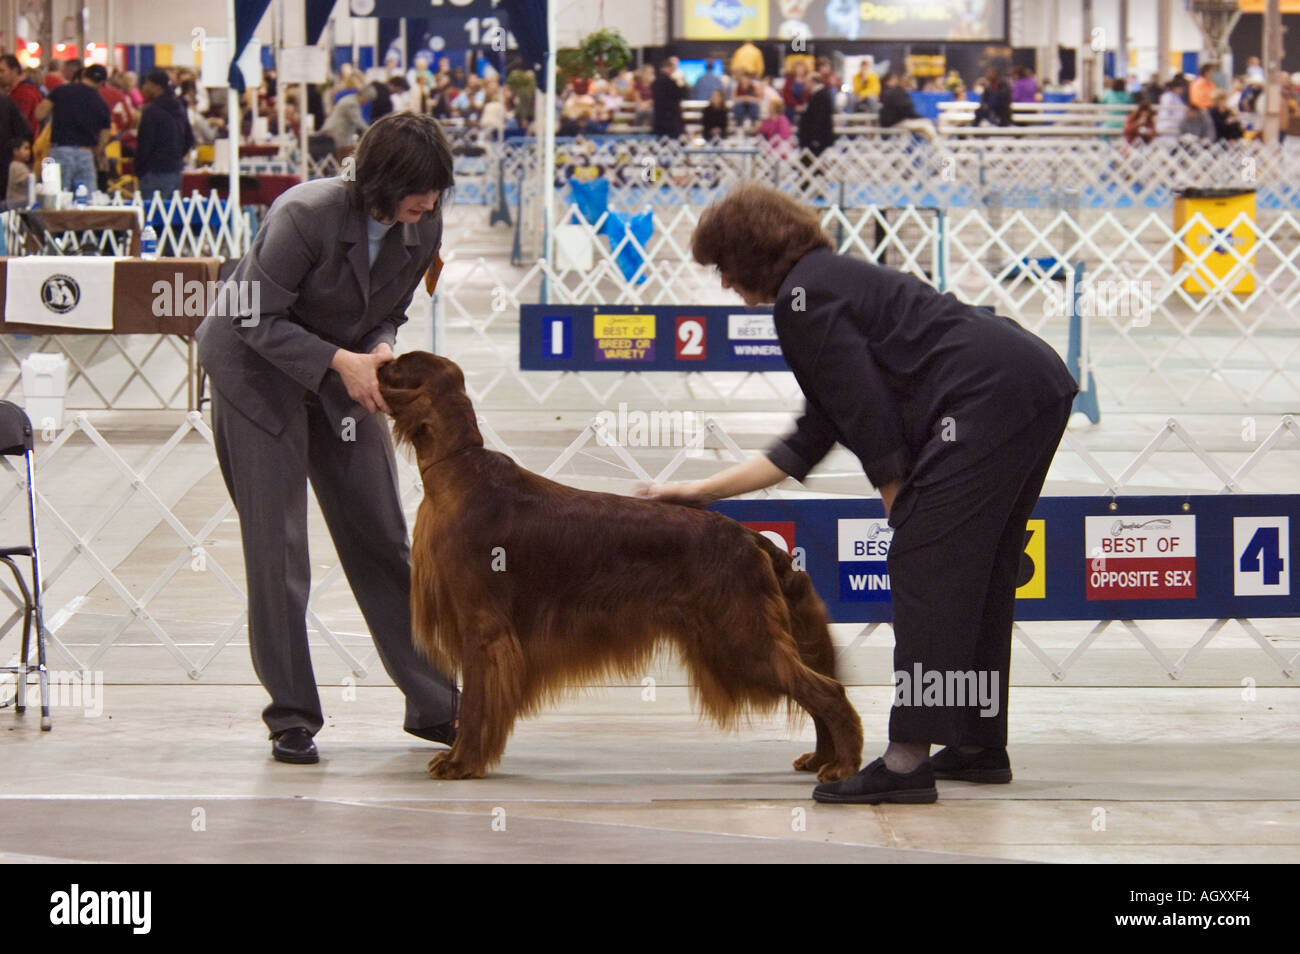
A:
(917, 384)
(165, 136)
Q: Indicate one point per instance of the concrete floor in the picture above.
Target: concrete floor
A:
(1118, 764)
(183, 773)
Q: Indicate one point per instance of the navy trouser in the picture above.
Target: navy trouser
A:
(953, 567)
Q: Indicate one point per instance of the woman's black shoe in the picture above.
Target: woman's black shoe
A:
(445, 733)
(989, 766)
(294, 746)
(876, 784)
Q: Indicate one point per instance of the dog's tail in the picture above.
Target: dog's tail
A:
(809, 623)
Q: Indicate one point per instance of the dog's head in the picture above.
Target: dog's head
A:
(431, 411)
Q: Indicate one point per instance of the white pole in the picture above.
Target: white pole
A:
(281, 90)
(302, 131)
(1273, 109)
(232, 134)
(1050, 68)
(548, 144)
(1164, 46)
(110, 40)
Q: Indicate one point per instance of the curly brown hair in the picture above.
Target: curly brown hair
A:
(754, 235)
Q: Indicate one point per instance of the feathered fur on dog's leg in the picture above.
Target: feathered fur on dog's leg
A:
(810, 628)
(493, 669)
(812, 635)
(771, 668)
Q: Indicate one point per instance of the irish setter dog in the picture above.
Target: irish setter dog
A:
(524, 587)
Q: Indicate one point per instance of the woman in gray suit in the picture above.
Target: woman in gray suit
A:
(321, 295)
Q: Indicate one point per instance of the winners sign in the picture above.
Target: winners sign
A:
(1195, 557)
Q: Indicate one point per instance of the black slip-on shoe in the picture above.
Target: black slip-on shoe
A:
(876, 783)
(294, 746)
(988, 766)
(445, 733)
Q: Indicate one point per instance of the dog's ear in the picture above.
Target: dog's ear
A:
(411, 410)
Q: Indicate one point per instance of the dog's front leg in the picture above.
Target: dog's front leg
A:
(489, 702)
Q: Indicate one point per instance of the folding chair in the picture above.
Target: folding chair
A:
(16, 441)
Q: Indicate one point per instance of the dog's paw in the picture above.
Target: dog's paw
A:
(809, 762)
(834, 771)
(443, 766)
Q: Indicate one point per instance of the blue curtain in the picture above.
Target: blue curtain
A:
(527, 19)
(592, 200)
(318, 17)
(248, 14)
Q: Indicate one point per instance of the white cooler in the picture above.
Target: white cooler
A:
(45, 383)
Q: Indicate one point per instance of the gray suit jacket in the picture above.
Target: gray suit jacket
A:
(307, 289)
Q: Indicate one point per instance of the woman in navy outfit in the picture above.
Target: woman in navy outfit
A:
(955, 415)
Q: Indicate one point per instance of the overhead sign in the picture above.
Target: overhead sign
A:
(788, 20)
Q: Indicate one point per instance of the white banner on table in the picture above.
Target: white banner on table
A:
(67, 291)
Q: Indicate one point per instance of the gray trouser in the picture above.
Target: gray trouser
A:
(356, 485)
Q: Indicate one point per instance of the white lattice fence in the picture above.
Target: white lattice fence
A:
(1152, 343)
(899, 170)
(195, 226)
(152, 557)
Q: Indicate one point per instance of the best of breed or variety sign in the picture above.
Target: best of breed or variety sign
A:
(647, 338)
(1163, 557)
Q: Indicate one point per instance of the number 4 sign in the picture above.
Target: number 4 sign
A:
(1261, 548)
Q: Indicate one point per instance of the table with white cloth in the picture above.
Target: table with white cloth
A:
(79, 295)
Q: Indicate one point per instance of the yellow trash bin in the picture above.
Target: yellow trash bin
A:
(1219, 248)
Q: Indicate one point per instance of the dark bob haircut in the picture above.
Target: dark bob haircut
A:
(754, 235)
(401, 154)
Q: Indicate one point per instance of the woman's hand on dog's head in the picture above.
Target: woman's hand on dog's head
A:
(358, 374)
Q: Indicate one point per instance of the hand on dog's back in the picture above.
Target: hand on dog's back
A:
(688, 493)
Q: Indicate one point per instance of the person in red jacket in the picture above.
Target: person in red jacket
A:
(25, 94)
(119, 107)
(796, 92)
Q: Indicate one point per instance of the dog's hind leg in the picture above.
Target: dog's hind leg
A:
(812, 637)
(747, 654)
(803, 663)
(839, 730)
(808, 625)
(490, 699)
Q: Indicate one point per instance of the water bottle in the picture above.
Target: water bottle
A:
(149, 244)
(81, 198)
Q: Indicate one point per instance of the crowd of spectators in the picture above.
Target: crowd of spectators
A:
(738, 97)
(90, 123)
(1201, 108)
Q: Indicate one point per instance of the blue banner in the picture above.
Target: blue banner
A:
(1086, 558)
(424, 9)
(647, 338)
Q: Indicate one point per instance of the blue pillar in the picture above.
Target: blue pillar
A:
(1086, 399)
